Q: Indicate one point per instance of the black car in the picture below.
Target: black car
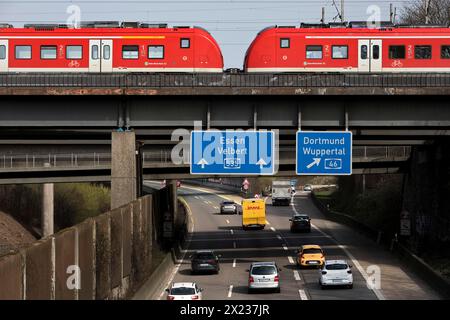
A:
(300, 222)
(205, 261)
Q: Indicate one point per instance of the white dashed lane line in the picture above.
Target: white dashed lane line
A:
(234, 263)
(230, 291)
(234, 244)
(302, 294)
(291, 261)
(297, 276)
(279, 237)
(232, 232)
(284, 247)
(228, 221)
(273, 229)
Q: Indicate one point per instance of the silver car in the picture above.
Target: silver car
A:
(336, 273)
(264, 276)
(228, 207)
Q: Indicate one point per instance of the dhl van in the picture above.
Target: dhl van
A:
(253, 213)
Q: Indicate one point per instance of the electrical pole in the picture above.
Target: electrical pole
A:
(391, 13)
(427, 11)
(342, 10)
(322, 21)
(395, 14)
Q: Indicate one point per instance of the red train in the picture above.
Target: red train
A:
(350, 49)
(108, 47)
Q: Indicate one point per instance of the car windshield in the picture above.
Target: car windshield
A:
(301, 218)
(204, 255)
(228, 202)
(264, 270)
(182, 291)
(312, 251)
(336, 266)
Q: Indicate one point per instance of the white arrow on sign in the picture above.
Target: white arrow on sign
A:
(261, 163)
(316, 162)
(202, 162)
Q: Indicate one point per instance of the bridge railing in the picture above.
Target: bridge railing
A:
(173, 80)
(95, 160)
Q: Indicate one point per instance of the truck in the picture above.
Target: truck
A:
(281, 192)
(253, 214)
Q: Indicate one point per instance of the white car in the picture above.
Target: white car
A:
(307, 187)
(263, 276)
(336, 273)
(184, 291)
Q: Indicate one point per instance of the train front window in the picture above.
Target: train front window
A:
(340, 52)
(396, 52)
(48, 52)
(445, 52)
(422, 52)
(74, 52)
(23, 52)
(156, 52)
(313, 52)
(285, 43)
(2, 52)
(130, 52)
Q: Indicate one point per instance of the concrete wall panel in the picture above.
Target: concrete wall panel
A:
(65, 258)
(116, 247)
(86, 259)
(39, 270)
(103, 255)
(11, 277)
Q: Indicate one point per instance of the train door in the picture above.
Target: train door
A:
(94, 56)
(375, 57)
(364, 55)
(3, 55)
(106, 56)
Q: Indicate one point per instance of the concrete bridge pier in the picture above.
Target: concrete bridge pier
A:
(47, 219)
(123, 168)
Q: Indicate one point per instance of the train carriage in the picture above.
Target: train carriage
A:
(350, 49)
(110, 47)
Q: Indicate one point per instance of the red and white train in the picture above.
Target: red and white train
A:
(108, 48)
(349, 49)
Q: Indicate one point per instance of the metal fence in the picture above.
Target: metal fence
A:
(93, 160)
(173, 80)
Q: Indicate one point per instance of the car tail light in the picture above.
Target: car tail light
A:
(250, 279)
(324, 272)
(349, 271)
(194, 297)
(170, 298)
(277, 279)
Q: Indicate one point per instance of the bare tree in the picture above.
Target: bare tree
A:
(415, 12)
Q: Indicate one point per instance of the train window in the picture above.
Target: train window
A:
(23, 52)
(364, 52)
(94, 54)
(48, 52)
(422, 52)
(185, 43)
(156, 52)
(445, 52)
(74, 52)
(313, 52)
(376, 52)
(2, 52)
(340, 52)
(285, 43)
(130, 52)
(396, 52)
(106, 52)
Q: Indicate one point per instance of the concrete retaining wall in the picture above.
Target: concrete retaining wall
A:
(107, 257)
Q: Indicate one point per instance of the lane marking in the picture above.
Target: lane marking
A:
(355, 262)
(196, 197)
(217, 208)
(279, 237)
(234, 244)
(228, 221)
(285, 248)
(232, 232)
(234, 263)
(291, 261)
(273, 229)
(297, 276)
(230, 291)
(303, 295)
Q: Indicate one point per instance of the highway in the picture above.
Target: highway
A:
(224, 235)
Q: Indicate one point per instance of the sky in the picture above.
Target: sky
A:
(233, 23)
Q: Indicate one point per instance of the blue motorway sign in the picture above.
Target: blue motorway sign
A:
(324, 153)
(233, 152)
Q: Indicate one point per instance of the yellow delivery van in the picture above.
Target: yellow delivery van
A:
(253, 213)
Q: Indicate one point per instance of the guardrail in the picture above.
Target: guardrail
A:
(171, 80)
(67, 161)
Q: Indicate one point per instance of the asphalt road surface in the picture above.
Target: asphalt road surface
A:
(224, 235)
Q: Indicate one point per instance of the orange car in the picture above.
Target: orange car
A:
(310, 255)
